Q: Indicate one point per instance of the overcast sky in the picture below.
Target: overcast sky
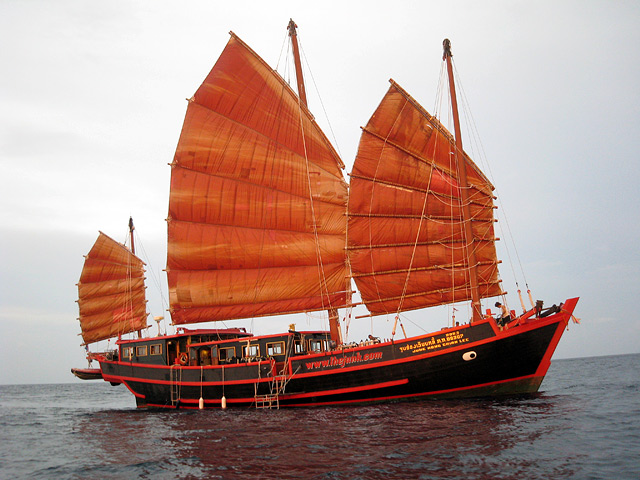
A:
(93, 99)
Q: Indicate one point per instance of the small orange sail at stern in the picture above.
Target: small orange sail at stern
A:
(111, 291)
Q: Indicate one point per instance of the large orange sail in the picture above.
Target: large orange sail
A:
(407, 246)
(257, 207)
(111, 291)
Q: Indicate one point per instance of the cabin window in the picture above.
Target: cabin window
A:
(126, 352)
(297, 344)
(205, 356)
(315, 345)
(141, 351)
(156, 349)
(251, 351)
(226, 353)
(275, 348)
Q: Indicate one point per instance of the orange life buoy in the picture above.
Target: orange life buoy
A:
(183, 358)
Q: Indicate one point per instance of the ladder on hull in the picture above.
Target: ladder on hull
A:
(175, 379)
(268, 401)
(279, 380)
(278, 385)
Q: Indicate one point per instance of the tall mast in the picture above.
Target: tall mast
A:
(334, 319)
(133, 250)
(296, 58)
(464, 193)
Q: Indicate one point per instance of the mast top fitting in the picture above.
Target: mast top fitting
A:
(446, 44)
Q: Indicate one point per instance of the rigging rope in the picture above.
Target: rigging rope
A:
(467, 243)
(154, 275)
(415, 244)
(324, 110)
(323, 280)
(374, 180)
(348, 287)
(265, 218)
(471, 125)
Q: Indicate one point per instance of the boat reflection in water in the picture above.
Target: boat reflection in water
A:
(451, 438)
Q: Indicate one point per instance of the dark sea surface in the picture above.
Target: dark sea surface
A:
(584, 424)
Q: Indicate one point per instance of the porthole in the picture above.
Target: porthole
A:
(468, 356)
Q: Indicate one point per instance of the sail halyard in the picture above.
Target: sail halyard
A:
(333, 317)
(257, 200)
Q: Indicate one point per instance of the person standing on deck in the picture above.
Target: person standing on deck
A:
(503, 316)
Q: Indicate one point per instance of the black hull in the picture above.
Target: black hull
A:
(470, 361)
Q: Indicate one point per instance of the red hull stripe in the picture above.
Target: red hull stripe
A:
(413, 395)
(546, 360)
(345, 402)
(139, 395)
(339, 391)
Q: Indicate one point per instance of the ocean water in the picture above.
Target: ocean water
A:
(583, 424)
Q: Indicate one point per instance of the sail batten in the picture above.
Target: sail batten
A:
(445, 267)
(257, 207)
(413, 188)
(447, 290)
(111, 292)
(408, 248)
(425, 217)
(418, 244)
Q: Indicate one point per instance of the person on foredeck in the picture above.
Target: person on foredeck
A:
(503, 316)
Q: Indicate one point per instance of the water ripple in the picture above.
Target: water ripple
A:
(584, 423)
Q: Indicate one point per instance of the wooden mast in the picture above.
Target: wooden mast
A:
(334, 319)
(296, 58)
(464, 190)
(133, 250)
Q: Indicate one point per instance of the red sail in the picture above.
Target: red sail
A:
(407, 246)
(111, 291)
(257, 205)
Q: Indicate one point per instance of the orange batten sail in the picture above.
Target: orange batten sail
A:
(257, 206)
(407, 245)
(111, 291)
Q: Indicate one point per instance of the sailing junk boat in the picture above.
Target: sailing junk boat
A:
(257, 227)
